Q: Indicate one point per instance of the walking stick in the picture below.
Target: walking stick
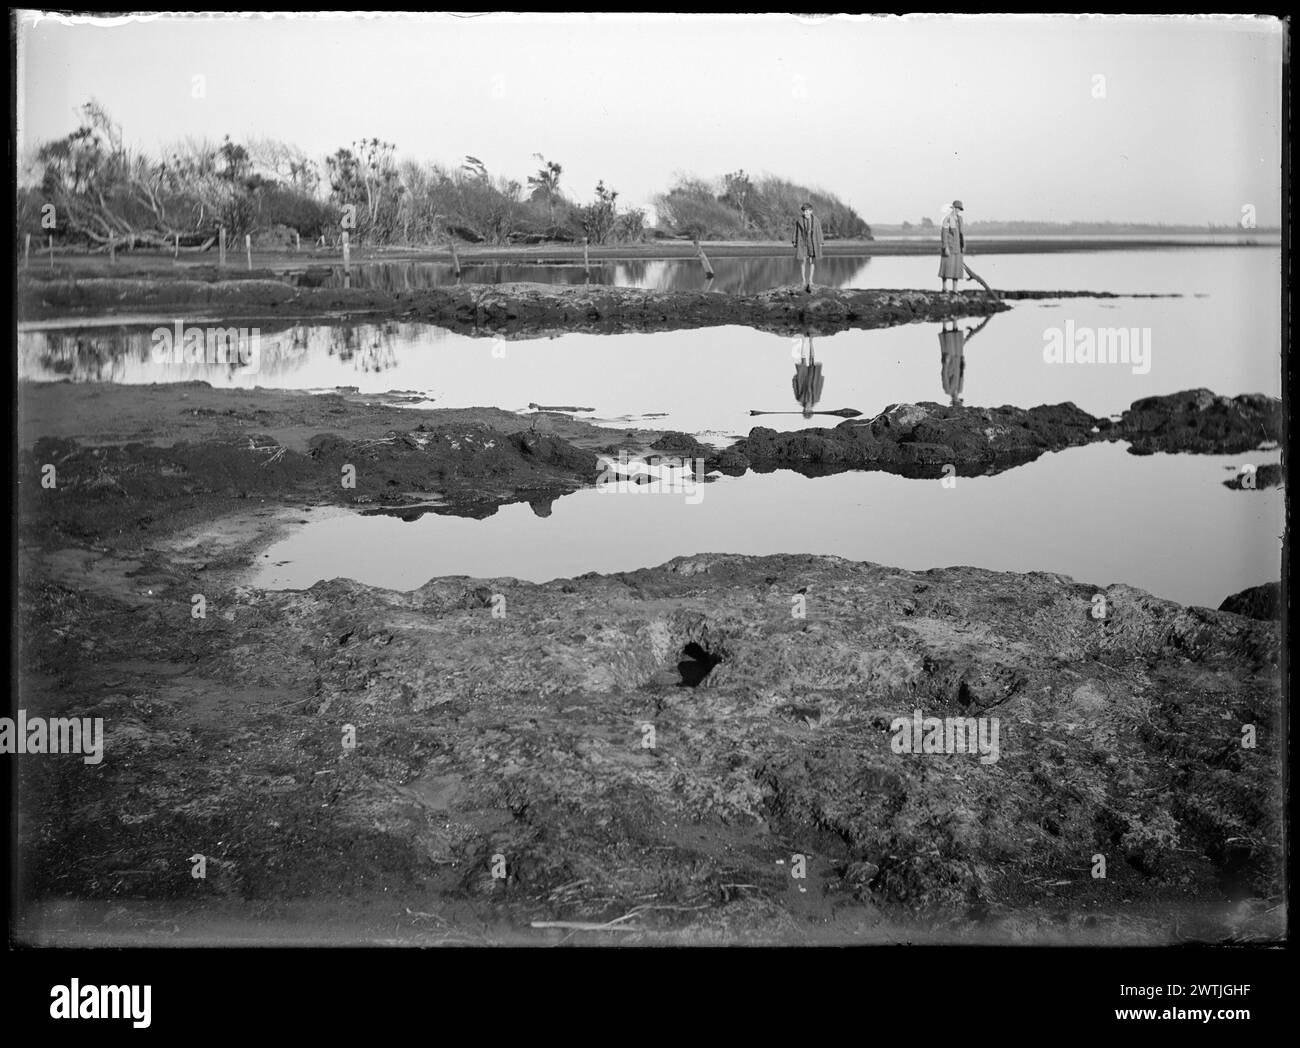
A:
(975, 276)
(840, 412)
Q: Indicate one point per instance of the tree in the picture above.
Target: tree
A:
(631, 225)
(598, 216)
(736, 193)
(110, 197)
(545, 185)
(365, 177)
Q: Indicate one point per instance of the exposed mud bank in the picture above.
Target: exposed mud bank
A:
(149, 453)
(929, 440)
(671, 744)
(1257, 602)
(517, 309)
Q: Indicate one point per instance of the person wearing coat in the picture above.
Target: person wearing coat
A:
(807, 243)
(952, 245)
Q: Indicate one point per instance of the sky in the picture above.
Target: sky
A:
(1065, 118)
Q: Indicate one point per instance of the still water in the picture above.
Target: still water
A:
(1096, 513)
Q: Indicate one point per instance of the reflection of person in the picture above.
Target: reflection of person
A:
(952, 359)
(807, 379)
(807, 243)
(952, 244)
(952, 343)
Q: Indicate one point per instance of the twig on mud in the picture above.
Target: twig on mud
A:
(379, 440)
(279, 454)
(431, 916)
(567, 887)
(588, 926)
(616, 924)
(276, 451)
(286, 705)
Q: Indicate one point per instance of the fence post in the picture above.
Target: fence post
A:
(586, 257)
(297, 240)
(248, 248)
(112, 251)
(704, 260)
(27, 250)
(221, 258)
(347, 250)
(455, 258)
(176, 249)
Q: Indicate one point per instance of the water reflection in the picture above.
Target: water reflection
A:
(808, 379)
(952, 359)
(735, 276)
(126, 355)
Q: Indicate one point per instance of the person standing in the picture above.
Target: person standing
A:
(952, 245)
(807, 243)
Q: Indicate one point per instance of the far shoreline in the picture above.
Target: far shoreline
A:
(77, 261)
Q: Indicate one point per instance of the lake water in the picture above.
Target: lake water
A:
(751, 275)
(1097, 513)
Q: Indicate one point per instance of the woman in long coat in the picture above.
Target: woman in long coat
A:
(952, 245)
(807, 243)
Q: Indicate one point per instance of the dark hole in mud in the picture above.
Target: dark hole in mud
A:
(695, 665)
(1236, 867)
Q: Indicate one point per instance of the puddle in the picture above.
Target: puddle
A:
(1095, 513)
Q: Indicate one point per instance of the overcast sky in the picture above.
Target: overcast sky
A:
(1150, 119)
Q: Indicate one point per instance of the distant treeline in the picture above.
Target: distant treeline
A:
(89, 187)
(927, 226)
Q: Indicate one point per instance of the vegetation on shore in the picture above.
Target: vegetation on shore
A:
(90, 189)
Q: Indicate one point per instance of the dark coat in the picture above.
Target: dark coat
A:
(807, 242)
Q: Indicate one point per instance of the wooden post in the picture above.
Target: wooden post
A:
(455, 259)
(347, 250)
(112, 251)
(221, 253)
(176, 249)
(51, 254)
(27, 250)
(586, 257)
(297, 240)
(704, 261)
(248, 249)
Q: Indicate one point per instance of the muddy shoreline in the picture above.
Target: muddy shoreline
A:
(521, 734)
(519, 310)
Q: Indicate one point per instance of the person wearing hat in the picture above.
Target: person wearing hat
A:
(952, 245)
(807, 243)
